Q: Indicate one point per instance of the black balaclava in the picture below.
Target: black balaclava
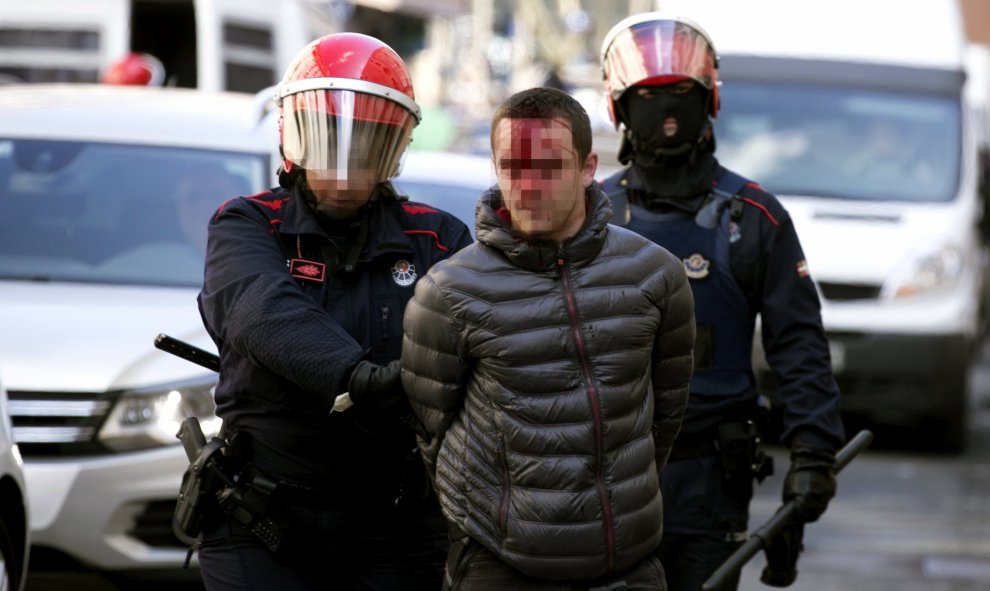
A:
(676, 167)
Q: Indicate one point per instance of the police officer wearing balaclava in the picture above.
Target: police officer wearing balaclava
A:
(743, 259)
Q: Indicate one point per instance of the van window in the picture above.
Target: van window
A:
(249, 63)
(842, 142)
(49, 55)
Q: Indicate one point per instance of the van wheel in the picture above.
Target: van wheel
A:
(950, 432)
(9, 578)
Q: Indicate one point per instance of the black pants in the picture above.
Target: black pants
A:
(380, 548)
(473, 568)
(705, 521)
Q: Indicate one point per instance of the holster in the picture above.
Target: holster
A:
(221, 480)
(739, 452)
(248, 501)
(197, 496)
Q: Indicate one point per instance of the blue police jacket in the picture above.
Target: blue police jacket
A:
(743, 258)
(292, 308)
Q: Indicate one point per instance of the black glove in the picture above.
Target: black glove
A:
(810, 482)
(377, 387)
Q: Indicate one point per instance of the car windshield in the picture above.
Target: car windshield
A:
(113, 213)
(841, 142)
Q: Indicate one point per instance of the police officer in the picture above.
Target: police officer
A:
(743, 258)
(305, 289)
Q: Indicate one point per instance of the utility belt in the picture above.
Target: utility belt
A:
(736, 443)
(220, 481)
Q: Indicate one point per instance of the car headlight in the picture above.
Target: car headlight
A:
(937, 270)
(149, 417)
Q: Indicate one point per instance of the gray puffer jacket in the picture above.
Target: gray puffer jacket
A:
(551, 380)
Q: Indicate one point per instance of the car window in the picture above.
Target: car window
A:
(114, 213)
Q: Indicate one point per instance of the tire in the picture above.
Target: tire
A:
(949, 431)
(9, 576)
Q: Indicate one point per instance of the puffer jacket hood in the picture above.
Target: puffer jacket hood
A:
(550, 380)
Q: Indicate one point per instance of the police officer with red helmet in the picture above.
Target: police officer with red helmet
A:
(304, 292)
(743, 259)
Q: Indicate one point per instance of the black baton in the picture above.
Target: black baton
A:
(758, 539)
(188, 352)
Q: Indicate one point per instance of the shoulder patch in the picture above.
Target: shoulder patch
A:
(272, 204)
(418, 208)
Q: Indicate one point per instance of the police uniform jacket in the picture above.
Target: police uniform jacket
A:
(749, 263)
(551, 379)
(292, 309)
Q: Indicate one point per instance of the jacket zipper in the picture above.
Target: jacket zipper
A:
(503, 507)
(596, 410)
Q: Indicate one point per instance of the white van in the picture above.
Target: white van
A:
(862, 118)
(239, 45)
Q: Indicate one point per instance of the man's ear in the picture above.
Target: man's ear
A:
(589, 169)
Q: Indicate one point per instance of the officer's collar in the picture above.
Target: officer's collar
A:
(679, 185)
(381, 231)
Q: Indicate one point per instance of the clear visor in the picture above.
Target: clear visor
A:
(346, 132)
(658, 52)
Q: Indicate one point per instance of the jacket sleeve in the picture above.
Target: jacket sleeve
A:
(673, 359)
(251, 304)
(794, 340)
(433, 371)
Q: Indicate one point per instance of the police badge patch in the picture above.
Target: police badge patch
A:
(696, 266)
(404, 273)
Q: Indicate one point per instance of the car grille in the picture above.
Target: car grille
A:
(59, 423)
(840, 292)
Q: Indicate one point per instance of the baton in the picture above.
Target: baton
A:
(188, 352)
(212, 362)
(758, 539)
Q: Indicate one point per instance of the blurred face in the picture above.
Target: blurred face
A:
(541, 176)
(341, 193)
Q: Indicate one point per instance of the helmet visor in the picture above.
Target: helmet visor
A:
(345, 131)
(658, 52)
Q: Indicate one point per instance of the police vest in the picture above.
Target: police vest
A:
(724, 345)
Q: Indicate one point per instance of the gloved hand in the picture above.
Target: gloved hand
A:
(377, 387)
(810, 482)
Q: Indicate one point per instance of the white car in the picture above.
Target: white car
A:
(105, 193)
(448, 181)
(13, 507)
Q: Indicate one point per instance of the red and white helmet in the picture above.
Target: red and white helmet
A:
(136, 69)
(655, 48)
(346, 102)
